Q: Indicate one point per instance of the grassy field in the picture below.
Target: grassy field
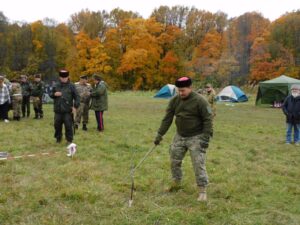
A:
(254, 176)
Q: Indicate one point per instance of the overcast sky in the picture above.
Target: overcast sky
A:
(60, 10)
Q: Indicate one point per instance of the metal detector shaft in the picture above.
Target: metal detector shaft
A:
(143, 159)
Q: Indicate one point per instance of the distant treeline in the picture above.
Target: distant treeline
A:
(136, 53)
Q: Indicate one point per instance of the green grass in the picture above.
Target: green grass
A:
(254, 176)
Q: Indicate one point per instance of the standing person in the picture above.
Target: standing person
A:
(99, 100)
(84, 91)
(16, 93)
(291, 109)
(210, 95)
(4, 100)
(66, 101)
(37, 96)
(194, 127)
(26, 91)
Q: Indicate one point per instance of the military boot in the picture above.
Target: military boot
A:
(175, 186)
(84, 127)
(202, 194)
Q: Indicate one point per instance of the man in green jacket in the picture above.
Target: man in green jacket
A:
(99, 100)
(66, 101)
(194, 128)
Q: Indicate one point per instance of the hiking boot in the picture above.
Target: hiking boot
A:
(84, 127)
(58, 140)
(175, 186)
(202, 195)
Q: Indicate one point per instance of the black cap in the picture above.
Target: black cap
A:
(84, 77)
(63, 73)
(97, 77)
(183, 82)
(37, 76)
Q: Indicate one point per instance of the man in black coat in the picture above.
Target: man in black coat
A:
(291, 109)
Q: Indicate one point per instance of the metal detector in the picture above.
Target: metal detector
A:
(133, 170)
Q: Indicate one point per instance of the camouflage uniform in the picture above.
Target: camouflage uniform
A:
(194, 128)
(83, 110)
(37, 96)
(178, 150)
(16, 91)
(211, 98)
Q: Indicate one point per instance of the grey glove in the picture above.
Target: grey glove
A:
(158, 139)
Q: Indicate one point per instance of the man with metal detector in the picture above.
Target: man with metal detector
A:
(194, 128)
(66, 101)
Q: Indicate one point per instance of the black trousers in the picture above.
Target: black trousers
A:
(65, 119)
(4, 111)
(26, 106)
(99, 118)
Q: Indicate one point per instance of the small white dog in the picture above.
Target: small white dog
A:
(72, 149)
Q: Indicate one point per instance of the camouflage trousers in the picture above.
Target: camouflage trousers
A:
(37, 106)
(178, 150)
(16, 106)
(82, 112)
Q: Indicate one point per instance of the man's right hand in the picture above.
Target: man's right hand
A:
(158, 139)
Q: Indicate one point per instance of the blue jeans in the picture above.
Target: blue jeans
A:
(289, 127)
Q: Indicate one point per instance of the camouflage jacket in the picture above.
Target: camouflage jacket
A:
(84, 91)
(38, 89)
(16, 90)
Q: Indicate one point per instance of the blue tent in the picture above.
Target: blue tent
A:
(232, 94)
(166, 91)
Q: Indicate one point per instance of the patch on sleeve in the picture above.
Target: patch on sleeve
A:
(208, 109)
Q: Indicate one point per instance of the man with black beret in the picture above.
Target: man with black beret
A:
(194, 128)
(66, 101)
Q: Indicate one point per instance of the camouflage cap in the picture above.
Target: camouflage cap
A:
(85, 77)
(208, 85)
(97, 77)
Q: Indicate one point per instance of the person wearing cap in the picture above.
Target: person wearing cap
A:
(84, 90)
(16, 97)
(26, 92)
(37, 96)
(4, 100)
(210, 95)
(291, 109)
(194, 127)
(66, 102)
(99, 100)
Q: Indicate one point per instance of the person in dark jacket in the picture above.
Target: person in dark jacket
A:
(194, 129)
(66, 101)
(291, 109)
(26, 91)
(99, 100)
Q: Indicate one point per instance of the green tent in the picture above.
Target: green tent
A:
(274, 90)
